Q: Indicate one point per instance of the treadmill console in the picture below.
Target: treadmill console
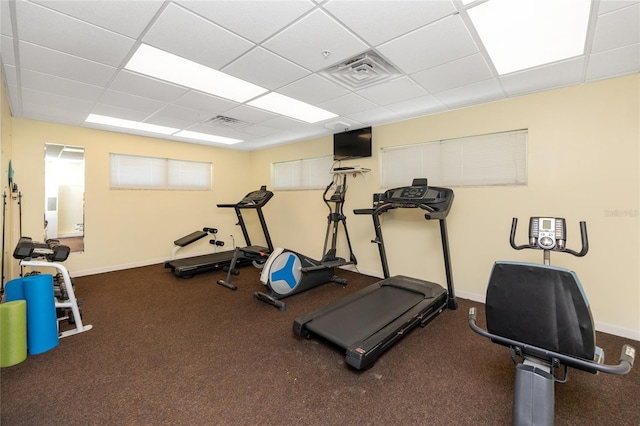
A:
(259, 197)
(547, 233)
(415, 195)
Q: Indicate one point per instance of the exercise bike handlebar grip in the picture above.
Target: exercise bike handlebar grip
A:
(628, 354)
(585, 241)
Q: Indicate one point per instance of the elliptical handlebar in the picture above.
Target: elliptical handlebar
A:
(556, 247)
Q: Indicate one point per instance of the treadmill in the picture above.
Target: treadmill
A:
(370, 321)
(189, 266)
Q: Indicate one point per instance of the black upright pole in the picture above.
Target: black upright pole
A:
(452, 302)
(4, 215)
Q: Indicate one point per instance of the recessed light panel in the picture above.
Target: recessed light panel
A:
(129, 124)
(527, 33)
(165, 66)
(206, 137)
(290, 107)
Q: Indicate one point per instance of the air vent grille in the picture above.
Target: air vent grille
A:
(362, 71)
(229, 122)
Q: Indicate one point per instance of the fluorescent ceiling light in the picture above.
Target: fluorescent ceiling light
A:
(527, 33)
(290, 107)
(166, 66)
(128, 124)
(206, 137)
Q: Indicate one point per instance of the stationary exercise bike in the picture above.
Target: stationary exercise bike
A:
(541, 313)
(287, 272)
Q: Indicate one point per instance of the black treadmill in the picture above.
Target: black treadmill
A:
(189, 266)
(368, 322)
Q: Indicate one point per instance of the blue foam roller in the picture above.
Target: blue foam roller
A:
(14, 290)
(42, 323)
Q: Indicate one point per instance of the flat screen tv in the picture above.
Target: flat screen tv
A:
(352, 144)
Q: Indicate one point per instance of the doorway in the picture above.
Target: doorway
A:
(64, 195)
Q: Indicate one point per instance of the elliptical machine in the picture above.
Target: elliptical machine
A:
(541, 313)
(287, 272)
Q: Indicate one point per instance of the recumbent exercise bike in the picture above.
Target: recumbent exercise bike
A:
(541, 313)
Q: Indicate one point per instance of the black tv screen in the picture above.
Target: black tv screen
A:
(352, 144)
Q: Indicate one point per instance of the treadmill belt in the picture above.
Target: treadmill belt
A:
(365, 316)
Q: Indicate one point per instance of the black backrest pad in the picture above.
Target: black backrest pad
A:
(542, 306)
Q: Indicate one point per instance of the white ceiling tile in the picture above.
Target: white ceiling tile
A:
(441, 42)
(249, 114)
(394, 91)
(6, 28)
(610, 5)
(422, 105)
(608, 34)
(49, 83)
(119, 112)
(35, 101)
(177, 116)
(128, 18)
(15, 101)
(10, 75)
(313, 89)
(304, 42)
(375, 116)
(60, 64)
(625, 60)
(226, 132)
(125, 100)
(139, 85)
(265, 69)
(543, 78)
(379, 21)
(285, 123)
(202, 102)
(7, 51)
(347, 104)
(476, 93)
(259, 130)
(462, 72)
(69, 35)
(255, 20)
(190, 36)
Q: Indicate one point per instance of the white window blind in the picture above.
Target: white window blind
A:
(309, 173)
(136, 172)
(493, 159)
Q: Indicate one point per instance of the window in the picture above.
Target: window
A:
(134, 172)
(493, 159)
(310, 173)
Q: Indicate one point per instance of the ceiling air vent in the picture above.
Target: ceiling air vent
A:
(222, 121)
(362, 71)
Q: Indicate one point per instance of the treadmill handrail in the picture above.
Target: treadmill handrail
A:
(627, 354)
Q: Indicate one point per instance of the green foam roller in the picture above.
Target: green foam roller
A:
(13, 333)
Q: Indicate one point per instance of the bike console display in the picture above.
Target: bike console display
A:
(547, 233)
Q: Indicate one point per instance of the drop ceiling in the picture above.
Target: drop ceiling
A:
(64, 60)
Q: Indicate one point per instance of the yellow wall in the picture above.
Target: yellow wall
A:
(6, 149)
(583, 165)
(584, 154)
(128, 228)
